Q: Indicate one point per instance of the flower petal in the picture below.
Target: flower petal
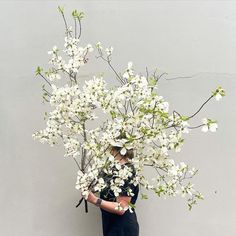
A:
(123, 151)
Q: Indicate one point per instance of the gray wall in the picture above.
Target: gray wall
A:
(197, 39)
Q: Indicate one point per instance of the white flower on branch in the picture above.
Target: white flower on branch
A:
(218, 93)
(129, 71)
(119, 207)
(109, 51)
(209, 125)
(122, 143)
(89, 48)
(99, 45)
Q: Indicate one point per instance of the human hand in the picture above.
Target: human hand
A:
(91, 197)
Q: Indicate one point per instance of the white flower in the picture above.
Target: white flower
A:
(185, 128)
(126, 75)
(54, 87)
(123, 151)
(130, 65)
(54, 76)
(173, 170)
(178, 148)
(99, 45)
(101, 181)
(85, 194)
(213, 127)
(218, 93)
(118, 166)
(209, 125)
(182, 165)
(218, 97)
(204, 128)
(89, 48)
(129, 71)
(130, 192)
(111, 158)
(119, 207)
(116, 190)
(192, 171)
(122, 143)
(130, 209)
(109, 51)
(54, 48)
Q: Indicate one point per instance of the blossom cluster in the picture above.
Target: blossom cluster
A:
(133, 108)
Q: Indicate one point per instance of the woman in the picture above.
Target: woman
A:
(118, 222)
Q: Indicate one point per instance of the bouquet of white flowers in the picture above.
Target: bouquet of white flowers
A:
(137, 118)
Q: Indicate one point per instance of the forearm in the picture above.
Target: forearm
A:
(110, 206)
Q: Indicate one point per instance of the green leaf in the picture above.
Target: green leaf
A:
(130, 78)
(75, 13)
(131, 138)
(47, 73)
(38, 70)
(189, 206)
(78, 15)
(184, 118)
(158, 192)
(152, 81)
(132, 205)
(163, 114)
(219, 90)
(45, 115)
(154, 94)
(81, 16)
(113, 114)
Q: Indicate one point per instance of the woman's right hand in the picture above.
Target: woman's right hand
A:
(92, 198)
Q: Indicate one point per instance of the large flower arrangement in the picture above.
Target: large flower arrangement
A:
(138, 118)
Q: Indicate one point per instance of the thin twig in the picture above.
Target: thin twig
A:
(45, 79)
(80, 28)
(201, 107)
